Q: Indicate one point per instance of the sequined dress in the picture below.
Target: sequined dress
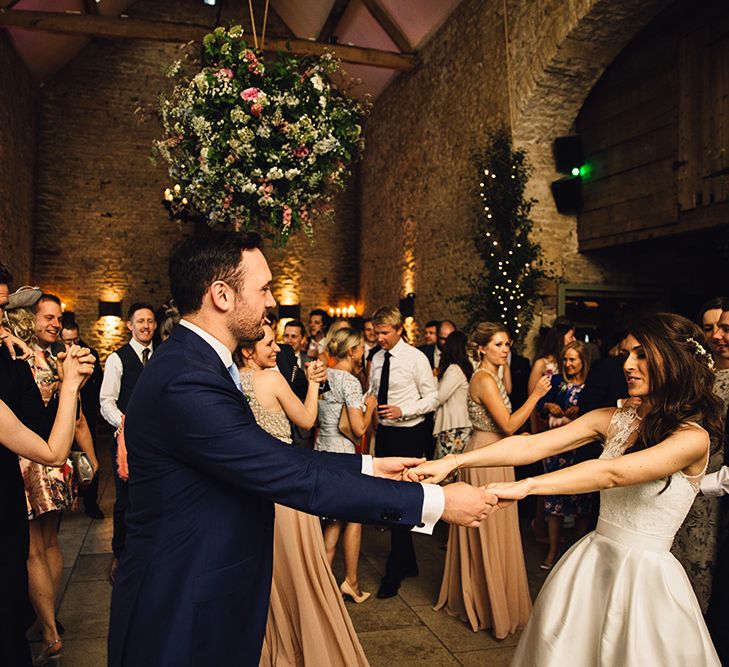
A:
(308, 622)
(618, 596)
(484, 580)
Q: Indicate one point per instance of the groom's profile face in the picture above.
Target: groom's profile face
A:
(253, 297)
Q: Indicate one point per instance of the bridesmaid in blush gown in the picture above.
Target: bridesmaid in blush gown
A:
(484, 581)
(618, 596)
(308, 623)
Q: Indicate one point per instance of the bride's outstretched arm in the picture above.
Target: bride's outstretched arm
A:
(520, 449)
(680, 451)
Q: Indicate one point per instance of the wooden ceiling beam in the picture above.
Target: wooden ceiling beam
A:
(388, 24)
(330, 25)
(164, 31)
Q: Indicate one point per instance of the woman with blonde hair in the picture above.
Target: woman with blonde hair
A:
(485, 582)
(560, 407)
(344, 404)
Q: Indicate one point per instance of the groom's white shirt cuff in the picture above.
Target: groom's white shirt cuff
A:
(433, 500)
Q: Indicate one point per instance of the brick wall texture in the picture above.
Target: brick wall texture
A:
(405, 223)
(18, 140)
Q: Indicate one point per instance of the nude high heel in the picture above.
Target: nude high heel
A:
(347, 590)
(49, 654)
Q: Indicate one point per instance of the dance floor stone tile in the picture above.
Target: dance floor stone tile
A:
(91, 567)
(423, 589)
(84, 653)
(405, 647)
(85, 610)
(495, 657)
(376, 614)
(457, 635)
(98, 539)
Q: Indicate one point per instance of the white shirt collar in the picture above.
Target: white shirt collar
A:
(399, 347)
(221, 350)
(138, 347)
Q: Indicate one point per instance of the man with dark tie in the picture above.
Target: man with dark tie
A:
(406, 391)
(121, 373)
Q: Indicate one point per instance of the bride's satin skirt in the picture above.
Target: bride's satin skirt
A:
(308, 623)
(616, 600)
(484, 580)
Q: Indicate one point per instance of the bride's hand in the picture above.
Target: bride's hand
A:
(13, 343)
(432, 472)
(510, 490)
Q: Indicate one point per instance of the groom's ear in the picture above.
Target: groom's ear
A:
(221, 296)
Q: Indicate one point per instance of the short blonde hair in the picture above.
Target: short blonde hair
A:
(342, 341)
(21, 322)
(387, 315)
(583, 353)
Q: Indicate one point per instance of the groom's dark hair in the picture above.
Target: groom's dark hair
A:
(201, 259)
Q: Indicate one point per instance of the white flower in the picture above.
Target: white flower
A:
(317, 82)
(325, 145)
(323, 102)
(291, 173)
(249, 188)
(274, 173)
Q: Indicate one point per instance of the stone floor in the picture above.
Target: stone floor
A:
(400, 631)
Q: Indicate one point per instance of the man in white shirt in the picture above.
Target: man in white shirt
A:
(293, 335)
(406, 391)
(121, 373)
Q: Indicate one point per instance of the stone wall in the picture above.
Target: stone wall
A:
(102, 232)
(18, 137)
(417, 182)
(525, 64)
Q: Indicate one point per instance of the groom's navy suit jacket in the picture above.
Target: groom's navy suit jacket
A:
(193, 585)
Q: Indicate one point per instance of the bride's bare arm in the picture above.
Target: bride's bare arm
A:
(683, 450)
(522, 449)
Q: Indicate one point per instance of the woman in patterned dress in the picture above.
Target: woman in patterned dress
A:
(560, 408)
(308, 623)
(48, 490)
(346, 349)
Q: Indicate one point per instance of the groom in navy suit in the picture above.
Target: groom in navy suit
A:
(193, 585)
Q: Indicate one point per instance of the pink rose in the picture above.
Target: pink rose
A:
(301, 151)
(250, 94)
(256, 110)
(224, 72)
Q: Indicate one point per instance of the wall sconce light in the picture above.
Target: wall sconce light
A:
(292, 311)
(407, 305)
(110, 308)
(343, 311)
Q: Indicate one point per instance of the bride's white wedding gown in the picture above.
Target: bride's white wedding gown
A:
(618, 598)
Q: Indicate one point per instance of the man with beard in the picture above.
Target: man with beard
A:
(194, 581)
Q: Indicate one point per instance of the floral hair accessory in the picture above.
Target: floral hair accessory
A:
(700, 350)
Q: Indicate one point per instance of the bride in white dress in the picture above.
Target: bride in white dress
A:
(618, 597)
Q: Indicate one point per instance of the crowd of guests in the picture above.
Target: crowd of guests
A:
(348, 386)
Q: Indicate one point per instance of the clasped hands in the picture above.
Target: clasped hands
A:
(465, 505)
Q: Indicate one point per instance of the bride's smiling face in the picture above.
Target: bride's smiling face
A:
(266, 349)
(636, 368)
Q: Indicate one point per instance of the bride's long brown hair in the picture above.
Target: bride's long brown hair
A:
(681, 379)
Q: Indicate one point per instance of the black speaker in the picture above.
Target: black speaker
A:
(568, 154)
(567, 193)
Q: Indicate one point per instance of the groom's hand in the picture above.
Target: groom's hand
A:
(467, 505)
(393, 467)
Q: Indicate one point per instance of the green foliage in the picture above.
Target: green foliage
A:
(507, 290)
(256, 145)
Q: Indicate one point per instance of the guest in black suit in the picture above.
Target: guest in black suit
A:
(430, 340)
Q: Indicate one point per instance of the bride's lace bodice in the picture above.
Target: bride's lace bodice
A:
(275, 423)
(642, 508)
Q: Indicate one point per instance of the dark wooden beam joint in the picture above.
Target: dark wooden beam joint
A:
(165, 31)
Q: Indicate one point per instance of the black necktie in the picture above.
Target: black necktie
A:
(384, 381)
(145, 356)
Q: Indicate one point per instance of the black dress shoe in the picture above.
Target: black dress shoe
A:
(388, 588)
(94, 511)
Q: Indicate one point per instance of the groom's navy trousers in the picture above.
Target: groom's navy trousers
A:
(194, 581)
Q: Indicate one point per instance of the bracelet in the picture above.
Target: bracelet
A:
(458, 467)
